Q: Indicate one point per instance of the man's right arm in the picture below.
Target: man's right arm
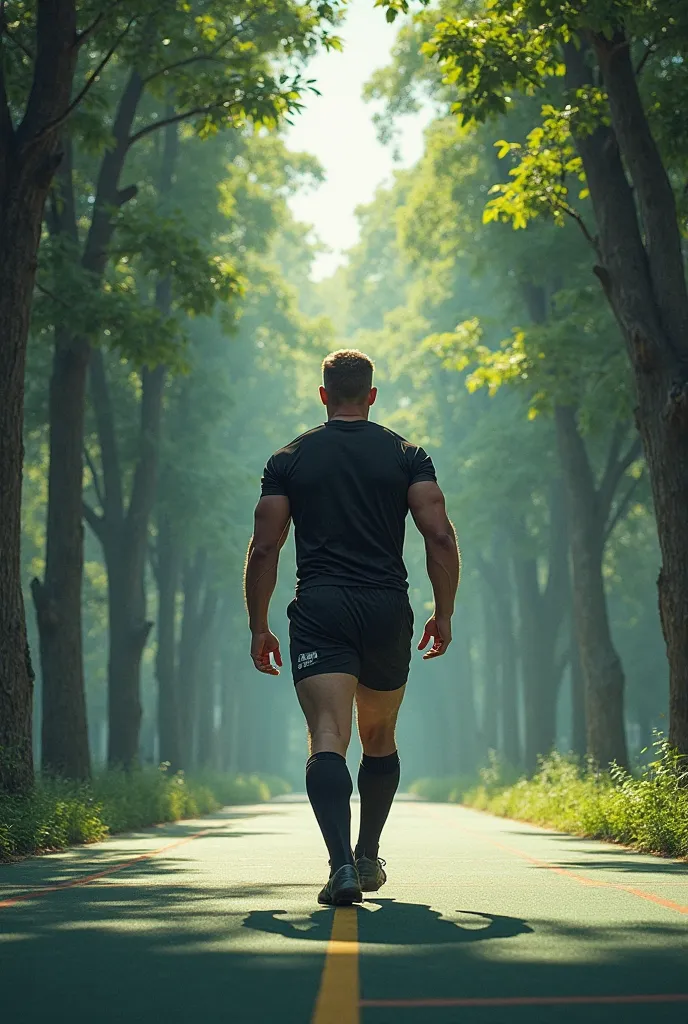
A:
(443, 559)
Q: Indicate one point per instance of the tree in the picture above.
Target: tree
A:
(575, 382)
(215, 71)
(212, 431)
(30, 119)
(606, 130)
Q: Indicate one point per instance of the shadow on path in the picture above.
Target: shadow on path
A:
(389, 922)
(618, 858)
(137, 849)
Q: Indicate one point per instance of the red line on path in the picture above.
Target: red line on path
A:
(524, 1001)
(85, 879)
(581, 879)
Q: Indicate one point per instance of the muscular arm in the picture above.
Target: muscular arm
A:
(272, 517)
(443, 560)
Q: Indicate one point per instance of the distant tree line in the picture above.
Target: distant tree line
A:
(582, 101)
(142, 190)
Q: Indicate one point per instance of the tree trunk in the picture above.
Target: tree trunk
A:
(58, 598)
(64, 748)
(578, 733)
(511, 741)
(29, 157)
(230, 703)
(124, 536)
(128, 633)
(188, 655)
(125, 533)
(168, 569)
(19, 230)
(490, 671)
(207, 679)
(604, 679)
(643, 276)
(538, 643)
(200, 606)
(470, 751)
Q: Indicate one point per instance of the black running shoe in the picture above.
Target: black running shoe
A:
(372, 873)
(343, 888)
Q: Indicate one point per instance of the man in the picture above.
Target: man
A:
(348, 486)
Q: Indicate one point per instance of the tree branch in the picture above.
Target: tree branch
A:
(154, 126)
(196, 59)
(86, 34)
(622, 508)
(614, 475)
(51, 295)
(618, 435)
(13, 39)
(125, 195)
(96, 479)
(575, 215)
(645, 57)
(96, 522)
(210, 55)
(90, 82)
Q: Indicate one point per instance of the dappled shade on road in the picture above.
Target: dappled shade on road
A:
(394, 923)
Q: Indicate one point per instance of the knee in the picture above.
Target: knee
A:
(330, 735)
(377, 738)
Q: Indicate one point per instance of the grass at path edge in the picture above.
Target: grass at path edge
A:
(647, 811)
(58, 814)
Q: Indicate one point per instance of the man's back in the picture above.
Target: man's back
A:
(347, 484)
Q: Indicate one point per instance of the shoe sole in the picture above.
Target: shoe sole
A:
(343, 898)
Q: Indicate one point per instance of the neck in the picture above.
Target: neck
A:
(350, 414)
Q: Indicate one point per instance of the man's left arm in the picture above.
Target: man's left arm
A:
(271, 529)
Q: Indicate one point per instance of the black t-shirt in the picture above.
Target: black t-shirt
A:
(347, 484)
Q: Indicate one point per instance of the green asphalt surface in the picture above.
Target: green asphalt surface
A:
(225, 927)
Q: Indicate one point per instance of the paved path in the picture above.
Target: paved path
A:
(483, 921)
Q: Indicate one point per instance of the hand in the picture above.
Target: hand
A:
(439, 628)
(262, 646)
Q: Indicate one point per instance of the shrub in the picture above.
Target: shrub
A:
(648, 811)
(58, 814)
(441, 790)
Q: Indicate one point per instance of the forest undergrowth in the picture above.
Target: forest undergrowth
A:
(647, 810)
(58, 814)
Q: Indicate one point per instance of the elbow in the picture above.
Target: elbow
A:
(441, 540)
(264, 552)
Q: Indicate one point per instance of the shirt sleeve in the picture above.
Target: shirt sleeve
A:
(421, 467)
(274, 479)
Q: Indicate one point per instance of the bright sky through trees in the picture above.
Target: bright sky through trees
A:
(337, 127)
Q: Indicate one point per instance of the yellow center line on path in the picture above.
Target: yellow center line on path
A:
(338, 999)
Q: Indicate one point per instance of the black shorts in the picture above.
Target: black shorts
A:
(363, 631)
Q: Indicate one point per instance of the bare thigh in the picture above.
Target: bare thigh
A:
(327, 702)
(376, 716)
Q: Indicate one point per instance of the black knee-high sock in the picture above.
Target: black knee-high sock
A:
(378, 780)
(329, 788)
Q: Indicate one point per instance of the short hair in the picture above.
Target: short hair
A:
(347, 375)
